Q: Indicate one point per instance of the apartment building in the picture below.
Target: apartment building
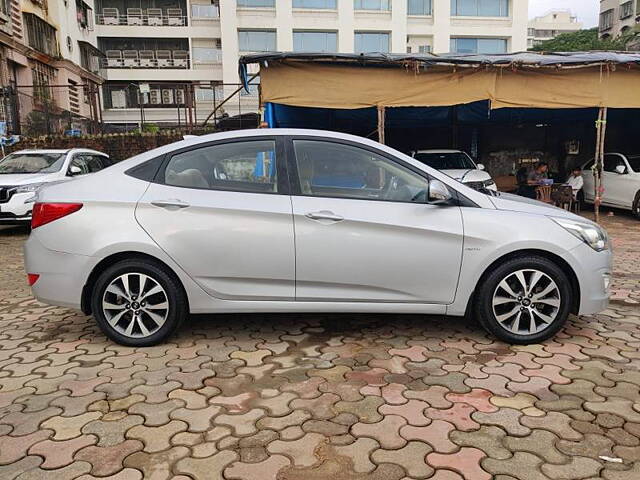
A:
(618, 16)
(158, 51)
(49, 65)
(550, 25)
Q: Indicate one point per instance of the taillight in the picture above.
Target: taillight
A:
(44, 213)
(32, 278)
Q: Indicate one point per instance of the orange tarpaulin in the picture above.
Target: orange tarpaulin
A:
(309, 84)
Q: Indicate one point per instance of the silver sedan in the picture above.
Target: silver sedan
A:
(305, 221)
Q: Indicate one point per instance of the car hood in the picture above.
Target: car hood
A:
(25, 178)
(472, 175)
(515, 203)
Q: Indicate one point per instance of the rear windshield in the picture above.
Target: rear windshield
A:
(446, 161)
(32, 163)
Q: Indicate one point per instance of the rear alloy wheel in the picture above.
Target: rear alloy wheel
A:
(526, 300)
(136, 303)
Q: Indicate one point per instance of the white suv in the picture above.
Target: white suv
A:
(458, 165)
(23, 173)
(621, 181)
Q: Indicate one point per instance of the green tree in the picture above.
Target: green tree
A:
(584, 41)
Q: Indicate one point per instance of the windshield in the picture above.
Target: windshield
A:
(634, 161)
(446, 161)
(32, 163)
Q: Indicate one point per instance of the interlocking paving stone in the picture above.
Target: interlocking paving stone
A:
(317, 396)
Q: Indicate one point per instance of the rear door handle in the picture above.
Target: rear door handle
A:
(170, 204)
(324, 215)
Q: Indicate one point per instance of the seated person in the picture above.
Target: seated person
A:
(536, 177)
(576, 181)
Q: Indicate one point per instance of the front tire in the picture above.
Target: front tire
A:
(635, 207)
(138, 303)
(525, 300)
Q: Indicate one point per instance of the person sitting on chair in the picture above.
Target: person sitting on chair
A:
(534, 179)
(576, 181)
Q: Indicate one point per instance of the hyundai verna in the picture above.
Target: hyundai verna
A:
(308, 221)
(23, 173)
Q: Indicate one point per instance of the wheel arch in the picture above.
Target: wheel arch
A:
(87, 290)
(558, 260)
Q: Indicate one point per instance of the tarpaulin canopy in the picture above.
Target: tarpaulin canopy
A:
(524, 80)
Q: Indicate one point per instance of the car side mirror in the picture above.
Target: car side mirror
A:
(621, 169)
(481, 166)
(439, 193)
(74, 170)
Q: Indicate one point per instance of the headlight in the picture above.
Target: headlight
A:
(489, 183)
(592, 235)
(32, 187)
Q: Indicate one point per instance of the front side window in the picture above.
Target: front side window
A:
(611, 162)
(239, 166)
(634, 161)
(80, 162)
(479, 45)
(446, 161)
(257, 40)
(316, 4)
(328, 169)
(371, 42)
(32, 163)
(480, 8)
(419, 7)
(315, 41)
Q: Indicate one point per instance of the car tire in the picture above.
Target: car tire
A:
(505, 302)
(635, 206)
(138, 303)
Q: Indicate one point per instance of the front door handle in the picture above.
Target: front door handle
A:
(324, 215)
(170, 204)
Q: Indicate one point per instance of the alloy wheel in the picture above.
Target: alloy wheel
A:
(526, 302)
(135, 305)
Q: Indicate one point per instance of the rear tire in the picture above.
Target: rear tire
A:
(138, 303)
(525, 300)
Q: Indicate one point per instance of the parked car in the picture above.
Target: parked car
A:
(621, 180)
(458, 165)
(23, 173)
(285, 220)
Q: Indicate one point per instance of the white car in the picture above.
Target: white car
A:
(285, 220)
(621, 181)
(23, 173)
(458, 165)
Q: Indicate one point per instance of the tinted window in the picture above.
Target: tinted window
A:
(241, 166)
(611, 162)
(80, 161)
(333, 170)
(96, 162)
(634, 161)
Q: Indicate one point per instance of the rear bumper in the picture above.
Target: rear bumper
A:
(62, 275)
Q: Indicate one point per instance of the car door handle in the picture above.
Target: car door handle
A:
(324, 215)
(173, 203)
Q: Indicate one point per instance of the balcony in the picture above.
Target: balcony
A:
(154, 59)
(138, 17)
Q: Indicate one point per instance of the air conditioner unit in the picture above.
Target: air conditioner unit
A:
(154, 97)
(167, 96)
(180, 97)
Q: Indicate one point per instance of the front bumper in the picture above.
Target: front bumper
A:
(593, 270)
(17, 209)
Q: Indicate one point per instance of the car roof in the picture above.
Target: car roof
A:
(59, 150)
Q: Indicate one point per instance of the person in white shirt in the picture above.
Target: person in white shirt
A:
(576, 181)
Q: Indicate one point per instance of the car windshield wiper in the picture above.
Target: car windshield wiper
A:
(465, 174)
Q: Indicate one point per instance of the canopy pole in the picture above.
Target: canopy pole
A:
(381, 123)
(601, 130)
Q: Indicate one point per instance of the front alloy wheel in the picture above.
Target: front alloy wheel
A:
(138, 302)
(524, 300)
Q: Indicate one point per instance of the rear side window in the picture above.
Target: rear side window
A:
(248, 166)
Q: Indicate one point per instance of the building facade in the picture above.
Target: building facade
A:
(172, 61)
(550, 25)
(49, 66)
(618, 17)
